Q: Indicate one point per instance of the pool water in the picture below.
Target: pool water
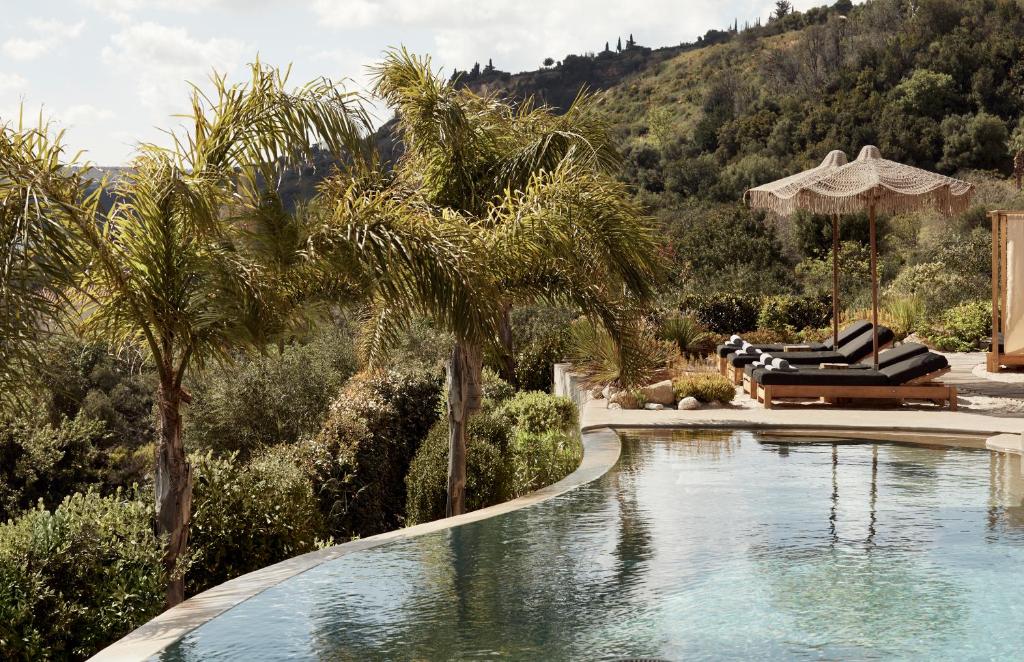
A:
(696, 545)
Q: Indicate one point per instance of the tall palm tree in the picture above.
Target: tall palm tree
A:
(170, 268)
(541, 213)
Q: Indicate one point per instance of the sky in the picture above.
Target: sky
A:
(115, 72)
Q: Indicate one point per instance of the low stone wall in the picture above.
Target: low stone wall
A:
(567, 383)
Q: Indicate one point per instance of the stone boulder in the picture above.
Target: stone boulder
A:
(624, 399)
(689, 403)
(654, 406)
(597, 393)
(661, 393)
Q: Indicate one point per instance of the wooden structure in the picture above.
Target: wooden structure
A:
(922, 388)
(997, 357)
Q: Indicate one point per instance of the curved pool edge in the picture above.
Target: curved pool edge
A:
(601, 449)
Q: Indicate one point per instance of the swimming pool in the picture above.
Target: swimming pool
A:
(697, 544)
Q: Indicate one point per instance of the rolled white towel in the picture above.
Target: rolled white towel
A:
(735, 340)
(745, 344)
(781, 365)
(766, 358)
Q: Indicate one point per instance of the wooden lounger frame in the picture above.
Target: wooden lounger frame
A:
(996, 359)
(921, 388)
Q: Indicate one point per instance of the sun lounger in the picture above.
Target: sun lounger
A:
(846, 335)
(886, 358)
(857, 349)
(909, 379)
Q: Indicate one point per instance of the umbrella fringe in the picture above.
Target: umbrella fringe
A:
(885, 200)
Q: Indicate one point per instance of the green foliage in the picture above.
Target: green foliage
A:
(273, 399)
(687, 333)
(854, 274)
(974, 141)
(723, 313)
(248, 515)
(76, 579)
(937, 285)
(706, 387)
(117, 389)
(790, 312)
(540, 337)
(630, 362)
(43, 463)
(963, 328)
(360, 457)
(523, 444)
(488, 475)
(904, 316)
(926, 93)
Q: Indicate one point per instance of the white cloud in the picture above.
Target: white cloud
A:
(163, 60)
(12, 83)
(84, 113)
(48, 34)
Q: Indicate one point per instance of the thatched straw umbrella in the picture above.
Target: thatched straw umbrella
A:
(776, 196)
(877, 185)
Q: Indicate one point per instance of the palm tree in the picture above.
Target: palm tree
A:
(171, 267)
(540, 217)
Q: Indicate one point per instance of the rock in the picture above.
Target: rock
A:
(661, 393)
(609, 391)
(597, 392)
(654, 406)
(624, 398)
(689, 403)
(614, 405)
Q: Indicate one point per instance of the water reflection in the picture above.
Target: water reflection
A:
(705, 544)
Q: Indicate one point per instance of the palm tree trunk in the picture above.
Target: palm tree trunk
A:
(173, 486)
(506, 358)
(464, 395)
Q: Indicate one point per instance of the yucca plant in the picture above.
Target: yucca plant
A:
(629, 362)
(686, 332)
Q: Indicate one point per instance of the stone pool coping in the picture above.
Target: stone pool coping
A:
(601, 449)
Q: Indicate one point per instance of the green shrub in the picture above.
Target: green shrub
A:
(249, 515)
(41, 462)
(723, 313)
(537, 413)
(793, 313)
(78, 578)
(706, 387)
(359, 459)
(904, 316)
(964, 327)
(526, 443)
(269, 400)
(488, 476)
(937, 285)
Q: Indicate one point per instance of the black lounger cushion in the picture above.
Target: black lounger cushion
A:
(886, 358)
(847, 334)
(860, 347)
(794, 358)
(850, 332)
(842, 377)
(914, 367)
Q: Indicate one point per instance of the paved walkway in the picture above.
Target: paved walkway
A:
(989, 405)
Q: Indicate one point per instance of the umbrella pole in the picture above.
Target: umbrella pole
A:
(835, 282)
(874, 284)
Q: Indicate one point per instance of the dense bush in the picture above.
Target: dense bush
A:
(935, 284)
(249, 515)
(359, 459)
(78, 578)
(686, 332)
(266, 400)
(723, 313)
(633, 361)
(42, 462)
(706, 387)
(521, 445)
(488, 475)
(91, 380)
(791, 312)
(963, 328)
